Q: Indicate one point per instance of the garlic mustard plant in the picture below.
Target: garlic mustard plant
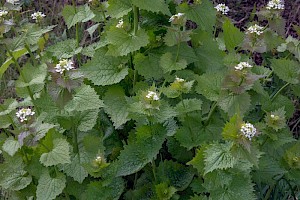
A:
(64, 65)
(248, 130)
(275, 5)
(255, 29)
(38, 16)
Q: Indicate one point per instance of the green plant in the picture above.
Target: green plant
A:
(160, 111)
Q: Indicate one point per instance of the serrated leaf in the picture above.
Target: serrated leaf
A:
(209, 85)
(198, 160)
(233, 104)
(175, 37)
(178, 175)
(123, 43)
(169, 63)
(233, 37)
(11, 146)
(75, 168)
(140, 152)
(153, 6)
(65, 49)
(86, 120)
(74, 15)
(85, 98)
(60, 154)
(119, 8)
(104, 70)
(203, 14)
(48, 187)
(218, 156)
(287, 70)
(105, 189)
(148, 66)
(188, 105)
(116, 106)
(277, 103)
(16, 181)
(163, 191)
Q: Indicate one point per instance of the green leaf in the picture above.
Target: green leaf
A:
(11, 146)
(218, 156)
(74, 15)
(16, 181)
(175, 37)
(287, 70)
(86, 120)
(163, 191)
(153, 6)
(233, 36)
(105, 189)
(60, 154)
(237, 187)
(116, 106)
(198, 161)
(85, 98)
(123, 43)
(209, 85)
(5, 66)
(188, 105)
(65, 49)
(104, 70)
(177, 175)
(148, 66)
(203, 14)
(34, 78)
(12, 174)
(169, 63)
(50, 187)
(141, 151)
(193, 133)
(118, 8)
(75, 168)
(277, 103)
(233, 104)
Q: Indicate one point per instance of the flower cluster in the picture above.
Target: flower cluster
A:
(120, 23)
(275, 5)
(178, 18)
(222, 8)
(248, 130)
(3, 12)
(152, 96)
(274, 117)
(179, 80)
(12, 1)
(38, 16)
(258, 30)
(242, 65)
(64, 65)
(24, 113)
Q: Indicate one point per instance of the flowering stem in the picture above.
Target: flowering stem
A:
(277, 93)
(135, 19)
(75, 141)
(154, 170)
(177, 53)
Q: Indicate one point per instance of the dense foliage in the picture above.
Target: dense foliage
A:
(143, 99)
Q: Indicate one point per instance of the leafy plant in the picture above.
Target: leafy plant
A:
(145, 107)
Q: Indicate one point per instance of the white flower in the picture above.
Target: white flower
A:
(3, 12)
(64, 65)
(98, 159)
(12, 1)
(38, 16)
(120, 23)
(180, 80)
(222, 8)
(152, 95)
(255, 29)
(23, 113)
(275, 4)
(177, 16)
(242, 65)
(248, 130)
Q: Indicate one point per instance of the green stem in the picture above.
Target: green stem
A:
(21, 73)
(25, 154)
(213, 108)
(278, 92)
(177, 53)
(75, 141)
(154, 170)
(135, 19)
(31, 55)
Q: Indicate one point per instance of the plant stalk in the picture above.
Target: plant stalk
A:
(278, 92)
